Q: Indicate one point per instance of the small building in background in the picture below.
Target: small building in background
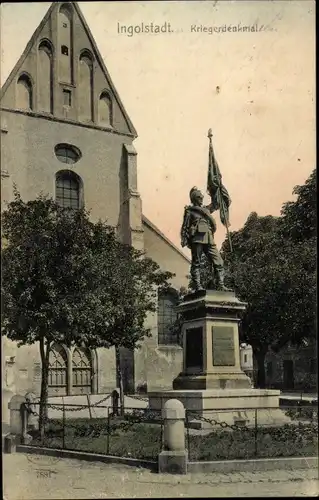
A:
(293, 368)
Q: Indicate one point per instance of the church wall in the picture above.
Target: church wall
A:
(108, 169)
(28, 155)
(21, 372)
(106, 370)
(166, 256)
(159, 365)
(21, 368)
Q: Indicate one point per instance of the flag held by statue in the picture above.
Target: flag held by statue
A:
(215, 188)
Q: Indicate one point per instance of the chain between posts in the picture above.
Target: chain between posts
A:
(223, 425)
(83, 407)
(140, 398)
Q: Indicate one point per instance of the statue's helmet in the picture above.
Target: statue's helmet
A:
(195, 192)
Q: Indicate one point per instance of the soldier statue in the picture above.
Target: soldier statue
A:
(197, 233)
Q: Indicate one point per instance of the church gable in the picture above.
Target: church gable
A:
(61, 73)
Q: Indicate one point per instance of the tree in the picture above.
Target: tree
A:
(68, 280)
(299, 221)
(133, 286)
(272, 268)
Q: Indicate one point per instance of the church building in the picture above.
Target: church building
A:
(65, 133)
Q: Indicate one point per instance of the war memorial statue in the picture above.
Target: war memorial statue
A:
(199, 226)
(197, 233)
(212, 385)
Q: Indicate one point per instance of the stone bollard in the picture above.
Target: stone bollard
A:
(173, 458)
(16, 424)
(18, 420)
(16, 415)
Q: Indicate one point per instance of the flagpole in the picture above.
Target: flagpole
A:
(210, 135)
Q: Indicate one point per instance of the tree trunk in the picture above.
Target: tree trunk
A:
(261, 374)
(120, 379)
(44, 352)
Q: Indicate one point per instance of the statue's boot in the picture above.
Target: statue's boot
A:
(220, 281)
(196, 280)
(211, 285)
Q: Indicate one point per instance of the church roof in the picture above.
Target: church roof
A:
(152, 226)
(54, 6)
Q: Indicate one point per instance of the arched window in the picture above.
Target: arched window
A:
(57, 384)
(67, 153)
(81, 371)
(24, 93)
(65, 43)
(105, 110)
(68, 189)
(85, 86)
(45, 77)
(166, 318)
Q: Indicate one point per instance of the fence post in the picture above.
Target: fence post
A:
(89, 405)
(256, 432)
(173, 458)
(188, 439)
(115, 402)
(63, 430)
(108, 432)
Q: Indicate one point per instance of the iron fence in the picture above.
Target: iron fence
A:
(210, 435)
(234, 434)
(132, 433)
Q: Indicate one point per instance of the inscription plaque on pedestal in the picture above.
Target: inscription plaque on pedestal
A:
(223, 346)
(194, 348)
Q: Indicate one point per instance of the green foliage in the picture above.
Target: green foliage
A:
(300, 216)
(273, 269)
(285, 441)
(143, 440)
(119, 437)
(67, 279)
(276, 277)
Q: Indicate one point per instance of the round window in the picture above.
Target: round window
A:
(67, 153)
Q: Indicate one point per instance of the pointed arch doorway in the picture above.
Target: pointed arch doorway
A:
(58, 371)
(72, 371)
(82, 371)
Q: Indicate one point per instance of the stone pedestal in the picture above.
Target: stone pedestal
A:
(232, 406)
(210, 342)
(212, 383)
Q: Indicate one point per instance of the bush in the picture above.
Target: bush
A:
(285, 441)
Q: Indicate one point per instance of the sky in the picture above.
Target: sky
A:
(255, 89)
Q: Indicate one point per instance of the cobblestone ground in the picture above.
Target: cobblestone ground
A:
(33, 477)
